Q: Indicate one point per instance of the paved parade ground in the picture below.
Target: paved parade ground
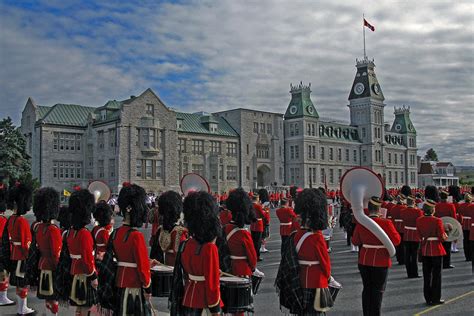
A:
(402, 297)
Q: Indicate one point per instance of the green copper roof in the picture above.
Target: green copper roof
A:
(191, 123)
(42, 110)
(68, 114)
(365, 82)
(301, 104)
(402, 123)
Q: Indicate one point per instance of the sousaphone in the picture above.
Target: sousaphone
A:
(100, 190)
(192, 182)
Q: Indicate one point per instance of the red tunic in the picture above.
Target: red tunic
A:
(445, 209)
(409, 217)
(286, 215)
(81, 250)
(20, 237)
(50, 242)
(3, 221)
(470, 213)
(431, 232)
(296, 224)
(202, 287)
(257, 226)
(101, 237)
(463, 211)
(242, 251)
(389, 206)
(225, 216)
(373, 253)
(396, 213)
(132, 251)
(315, 265)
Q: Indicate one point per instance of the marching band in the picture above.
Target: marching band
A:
(110, 270)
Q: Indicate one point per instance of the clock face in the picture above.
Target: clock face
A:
(398, 127)
(293, 109)
(376, 88)
(310, 109)
(359, 88)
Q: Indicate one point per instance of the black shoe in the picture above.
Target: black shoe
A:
(259, 259)
(440, 302)
(449, 267)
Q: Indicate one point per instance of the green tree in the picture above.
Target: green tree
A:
(431, 155)
(14, 161)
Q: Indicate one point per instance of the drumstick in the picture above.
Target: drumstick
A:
(227, 274)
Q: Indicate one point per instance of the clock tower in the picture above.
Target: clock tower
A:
(367, 114)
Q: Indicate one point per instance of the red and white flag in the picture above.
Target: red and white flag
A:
(367, 24)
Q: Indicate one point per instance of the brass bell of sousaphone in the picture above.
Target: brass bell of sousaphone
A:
(100, 190)
(192, 182)
(358, 185)
(455, 233)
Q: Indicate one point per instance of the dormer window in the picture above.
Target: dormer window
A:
(179, 124)
(103, 115)
(150, 109)
(213, 127)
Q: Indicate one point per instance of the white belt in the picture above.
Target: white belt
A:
(308, 263)
(75, 256)
(100, 245)
(238, 257)
(373, 246)
(466, 217)
(432, 238)
(410, 228)
(196, 278)
(399, 220)
(259, 219)
(16, 243)
(286, 224)
(170, 251)
(472, 224)
(127, 264)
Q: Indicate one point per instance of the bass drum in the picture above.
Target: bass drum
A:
(236, 295)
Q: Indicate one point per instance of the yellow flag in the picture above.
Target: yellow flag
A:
(66, 193)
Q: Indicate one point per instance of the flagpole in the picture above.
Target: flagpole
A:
(363, 31)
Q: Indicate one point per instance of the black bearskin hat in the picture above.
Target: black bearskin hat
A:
(19, 197)
(64, 217)
(312, 205)
(103, 213)
(455, 192)
(81, 206)
(170, 206)
(3, 198)
(431, 193)
(241, 207)
(405, 190)
(200, 216)
(263, 195)
(134, 197)
(46, 204)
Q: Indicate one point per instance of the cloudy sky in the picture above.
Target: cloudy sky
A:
(216, 55)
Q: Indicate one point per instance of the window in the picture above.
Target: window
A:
(297, 129)
(322, 153)
(139, 168)
(354, 155)
(221, 172)
(363, 132)
(247, 173)
(269, 128)
(150, 109)
(100, 139)
(309, 134)
(331, 175)
(395, 158)
(331, 153)
(103, 115)
(347, 154)
(90, 155)
(292, 175)
(390, 177)
(69, 142)
(64, 170)
(396, 177)
(231, 172)
(292, 152)
(179, 124)
(323, 175)
(310, 156)
(401, 159)
(248, 149)
(297, 152)
(262, 127)
(100, 168)
(389, 158)
(339, 154)
(339, 175)
(313, 130)
(147, 137)
(182, 145)
(402, 178)
(198, 147)
(263, 151)
(412, 160)
(112, 137)
(255, 127)
(199, 169)
(215, 147)
(158, 169)
(292, 130)
(412, 177)
(232, 149)
(111, 168)
(364, 155)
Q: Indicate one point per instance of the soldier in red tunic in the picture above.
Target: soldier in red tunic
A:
(311, 250)
(225, 215)
(432, 235)
(19, 199)
(101, 232)
(286, 216)
(200, 258)
(445, 208)
(463, 211)
(133, 276)
(257, 226)
(49, 242)
(80, 244)
(171, 232)
(411, 237)
(396, 212)
(374, 259)
(4, 300)
(470, 213)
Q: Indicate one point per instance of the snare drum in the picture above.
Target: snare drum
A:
(236, 294)
(161, 280)
(256, 280)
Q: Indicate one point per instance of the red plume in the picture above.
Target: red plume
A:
(76, 188)
(126, 184)
(17, 184)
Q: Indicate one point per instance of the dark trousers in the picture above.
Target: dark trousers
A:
(284, 241)
(350, 231)
(472, 252)
(447, 257)
(465, 242)
(257, 242)
(374, 280)
(411, 258)
(432, 278)
(401, 251)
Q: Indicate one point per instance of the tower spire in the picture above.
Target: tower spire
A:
(363, 31)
